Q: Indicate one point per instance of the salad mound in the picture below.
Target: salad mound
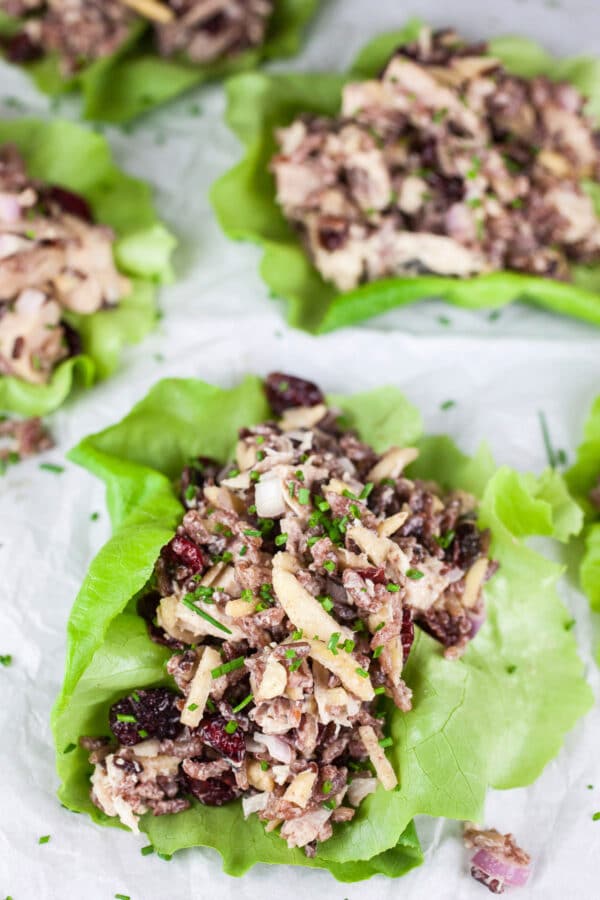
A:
(81, 252)
(433, 168)
(469, 718)
(129, 56)
(289, 594)
(445, 164)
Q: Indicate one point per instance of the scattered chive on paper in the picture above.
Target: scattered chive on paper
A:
(6, 659)
(52, 467)
(45, 838)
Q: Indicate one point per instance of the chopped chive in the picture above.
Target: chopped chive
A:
(296, 664)
(243, 703)
(380, 627)
(378, 651)
(290, 654)
(204, 615)
(366, 490)
(299, 474)
(255, 477)
(192, 707)
(291, 489)
(444, 540)
(304, 496)
(393, 588)
(252, 509)
(333, 641)
(349, 494)
(329, 804)
(122, 897)
(230, 666)
(362, 672)
(190, 492)
(94, 517)
(596, 816)
(135, 696)
(297, 635)
(329, 565)
(349, 645)
(252, 532)
(6, 659)
(326, 603)
(210, 705)
(327, 787)
(231, 727)
(69, 748)
(243, 550)
(447, 404)
(380, 690)
(52, 467)
(125, 717)
(323, 506)
(147, 850)
(264, 765)
(415, 574)
(281, 539)
(386, 742)
(143, 733)
(44, 839)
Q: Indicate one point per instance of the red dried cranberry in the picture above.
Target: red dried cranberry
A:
(376, 574)
(69, 202)
(448, 630)
(286, 392)
(332, 238)
(212, 731)
(21, 49)
(214, 791)
(184, 552)
(493, 884)
(72, 338)
(153, 711)
(468, 545)
(407, 632)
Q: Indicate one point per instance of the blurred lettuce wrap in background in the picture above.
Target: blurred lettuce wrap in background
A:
(245, 200)
(135, 79)
(476, 722)
(62, 154)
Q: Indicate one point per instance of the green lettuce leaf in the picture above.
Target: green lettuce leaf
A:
(245, 204)
(476, 722)
(135, 79)
(581, 478)
(62, 153)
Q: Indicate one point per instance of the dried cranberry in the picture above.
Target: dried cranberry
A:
(407, 632)
(212, 731)
(286, 392)
(468, 545)
(154, 715)
(201, 471)
(215, 24)
(72, 338)
(334, 236)
(376, 574)
(493, 884)
(69, 202)
(214, 791)
(184, 552)
(146, 608)
(448, 630)
(21, 49)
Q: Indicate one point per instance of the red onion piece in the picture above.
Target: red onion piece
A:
(10, 208)
(506, 872)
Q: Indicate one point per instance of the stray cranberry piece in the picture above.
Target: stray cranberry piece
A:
(212, 732)
(152, 711)
(21, 49)
(214, 791)
(407, 632)
(376, 574)
(184, 552)
(286, 392)
(69, 202)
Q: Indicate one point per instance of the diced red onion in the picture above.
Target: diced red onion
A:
(10, 208)
(477, 621)
(11, 244)
(268, 498)
(507, 873)
(30, 301)
(278, 748)
(254, 803)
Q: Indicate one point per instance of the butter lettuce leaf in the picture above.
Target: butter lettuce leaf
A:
(581, 478)
(62, 153)
(135, 79)
(245, 204)
(479, 721)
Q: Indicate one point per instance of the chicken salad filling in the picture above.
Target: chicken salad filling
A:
(53, 261)
(445, 164)
(80, 31)
(289, 597)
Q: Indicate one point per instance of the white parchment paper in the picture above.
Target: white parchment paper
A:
(219, 324)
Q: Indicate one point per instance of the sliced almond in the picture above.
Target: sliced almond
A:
(223, 498)
(300, 789)
(245, 455)
(381, 763)
(262, 781)
(345, 667)
(273, 682)
(200, 688)
(474, 581)
(392, 463)
(302, 417)
(392, 524)
(304, 611)
(238, 609)
(151, 9)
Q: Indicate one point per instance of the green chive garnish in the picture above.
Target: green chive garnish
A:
(230, 666)
(204, 615)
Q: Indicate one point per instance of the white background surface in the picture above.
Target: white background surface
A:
(219, 324)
